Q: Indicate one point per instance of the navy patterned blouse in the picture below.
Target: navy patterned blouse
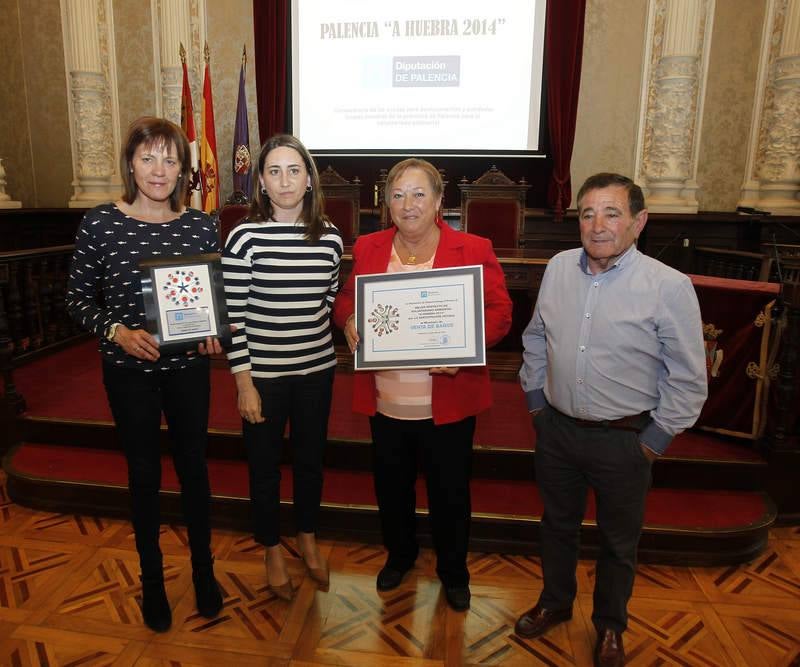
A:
(104, 279)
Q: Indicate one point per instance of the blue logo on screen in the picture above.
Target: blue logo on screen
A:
(423, 294)
(178, 317)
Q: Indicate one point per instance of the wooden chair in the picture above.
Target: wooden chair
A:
(231, 214)
(493, 206)
(228, 217)
(380, 188)
(342, 203)
(380, 198)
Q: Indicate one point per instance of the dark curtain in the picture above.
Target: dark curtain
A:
(270, 25)
(563, 51)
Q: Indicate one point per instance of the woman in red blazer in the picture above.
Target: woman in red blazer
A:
(431, 411)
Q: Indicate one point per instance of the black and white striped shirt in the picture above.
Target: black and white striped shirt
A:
(280, 290)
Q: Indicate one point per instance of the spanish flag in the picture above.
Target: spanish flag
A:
(193, 196)
(209, 171)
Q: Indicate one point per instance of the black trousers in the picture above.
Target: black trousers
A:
(446, 452)
(570, 459)
(137, 400)
(304, 401)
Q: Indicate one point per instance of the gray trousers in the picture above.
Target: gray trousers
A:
(571, 459)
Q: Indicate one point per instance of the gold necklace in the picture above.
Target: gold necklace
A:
(412, 255)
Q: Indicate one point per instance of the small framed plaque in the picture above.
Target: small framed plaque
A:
(420, 319)
(184, 300)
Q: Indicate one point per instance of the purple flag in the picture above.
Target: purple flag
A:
(242, 178)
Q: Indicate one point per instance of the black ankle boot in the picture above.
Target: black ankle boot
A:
(206, 590)
(155, 606)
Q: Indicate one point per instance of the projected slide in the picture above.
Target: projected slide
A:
(417, 75)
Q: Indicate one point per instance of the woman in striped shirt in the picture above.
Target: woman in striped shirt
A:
(281, 275)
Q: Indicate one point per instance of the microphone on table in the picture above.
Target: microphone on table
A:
(671, 243)
(783, 226)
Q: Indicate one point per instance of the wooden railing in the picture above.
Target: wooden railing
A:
(34, 319)
(33, 314)
(726, 263)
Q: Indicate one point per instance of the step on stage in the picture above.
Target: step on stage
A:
(706, 505)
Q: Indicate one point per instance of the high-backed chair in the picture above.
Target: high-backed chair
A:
(493, 206)
(342, 202)
(380, 200)
(380, 197)
(231, 214)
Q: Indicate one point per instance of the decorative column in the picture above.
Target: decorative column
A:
(90, 61)
(5, 200)
(772, 180)
(676, 53)
(177, 22)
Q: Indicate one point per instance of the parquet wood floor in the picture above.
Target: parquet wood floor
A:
(69, 596)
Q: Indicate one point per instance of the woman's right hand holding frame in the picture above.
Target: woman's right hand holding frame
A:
(351, 334)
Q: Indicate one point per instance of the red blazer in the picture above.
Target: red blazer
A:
(468, 392)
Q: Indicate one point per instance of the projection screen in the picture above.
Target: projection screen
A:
(445, 77)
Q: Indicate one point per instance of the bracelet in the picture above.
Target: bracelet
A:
(111, 331)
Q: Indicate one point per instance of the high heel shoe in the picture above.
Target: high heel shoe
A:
(284, 591)
(155, 606)
(206, 590)
(320, 575)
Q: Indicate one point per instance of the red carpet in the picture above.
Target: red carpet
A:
(677, 509)
(68, 385)
(74, 389)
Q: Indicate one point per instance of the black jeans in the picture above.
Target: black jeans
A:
(305, 402)
(570, 459)
(446, 452)
(137, 400)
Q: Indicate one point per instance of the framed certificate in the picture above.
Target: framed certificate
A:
(420, 319)
(184, 301)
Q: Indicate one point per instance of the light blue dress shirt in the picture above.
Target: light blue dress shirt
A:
(618, 343)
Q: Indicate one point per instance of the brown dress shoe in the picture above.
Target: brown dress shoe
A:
(609, 651)
(537, 621)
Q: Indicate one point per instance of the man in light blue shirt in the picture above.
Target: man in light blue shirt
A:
(613, 368)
